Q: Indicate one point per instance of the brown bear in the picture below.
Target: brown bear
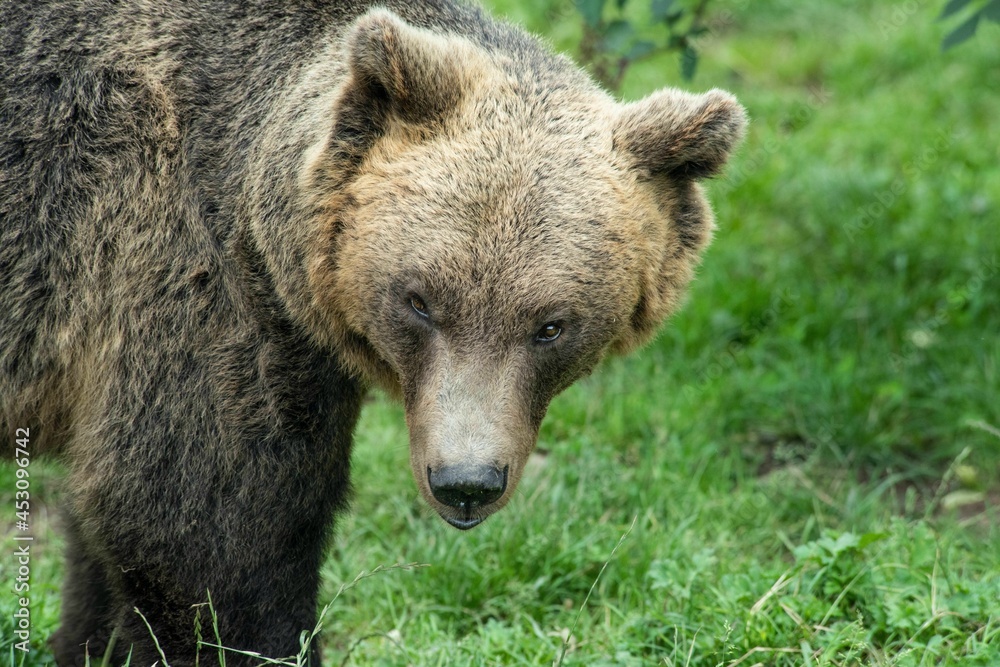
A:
(221, 221)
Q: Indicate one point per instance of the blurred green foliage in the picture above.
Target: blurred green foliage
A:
(613, 40)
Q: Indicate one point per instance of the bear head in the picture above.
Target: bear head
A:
(491, 225)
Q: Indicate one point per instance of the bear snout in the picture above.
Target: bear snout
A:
(467, 488)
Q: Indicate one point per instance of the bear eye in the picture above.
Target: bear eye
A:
(418, 306)
(548, 333)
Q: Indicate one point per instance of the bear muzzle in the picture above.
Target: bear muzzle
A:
(467, 488)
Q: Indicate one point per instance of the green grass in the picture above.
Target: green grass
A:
(803, 462)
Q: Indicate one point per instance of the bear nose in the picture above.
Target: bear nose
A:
(467, 487)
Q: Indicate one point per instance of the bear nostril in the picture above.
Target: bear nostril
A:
(467, 487)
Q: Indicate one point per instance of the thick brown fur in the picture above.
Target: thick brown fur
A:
(220, 222)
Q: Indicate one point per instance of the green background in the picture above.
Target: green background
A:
(804, 465)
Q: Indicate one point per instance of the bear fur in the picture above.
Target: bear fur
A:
(221, 222)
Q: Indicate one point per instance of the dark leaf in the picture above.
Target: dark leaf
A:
(640, 50)
(591, 10)
(953, 6)
(689, 62)
(991, 11)
(660, 9)
(617, 36)
(961, 33)
(673, 17)
(620, 4)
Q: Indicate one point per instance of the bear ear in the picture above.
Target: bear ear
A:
(680, 134)
(412, 72)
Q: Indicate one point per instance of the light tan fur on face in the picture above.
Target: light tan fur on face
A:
(503, 206)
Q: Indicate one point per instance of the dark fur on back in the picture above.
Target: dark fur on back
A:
(207, 438)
